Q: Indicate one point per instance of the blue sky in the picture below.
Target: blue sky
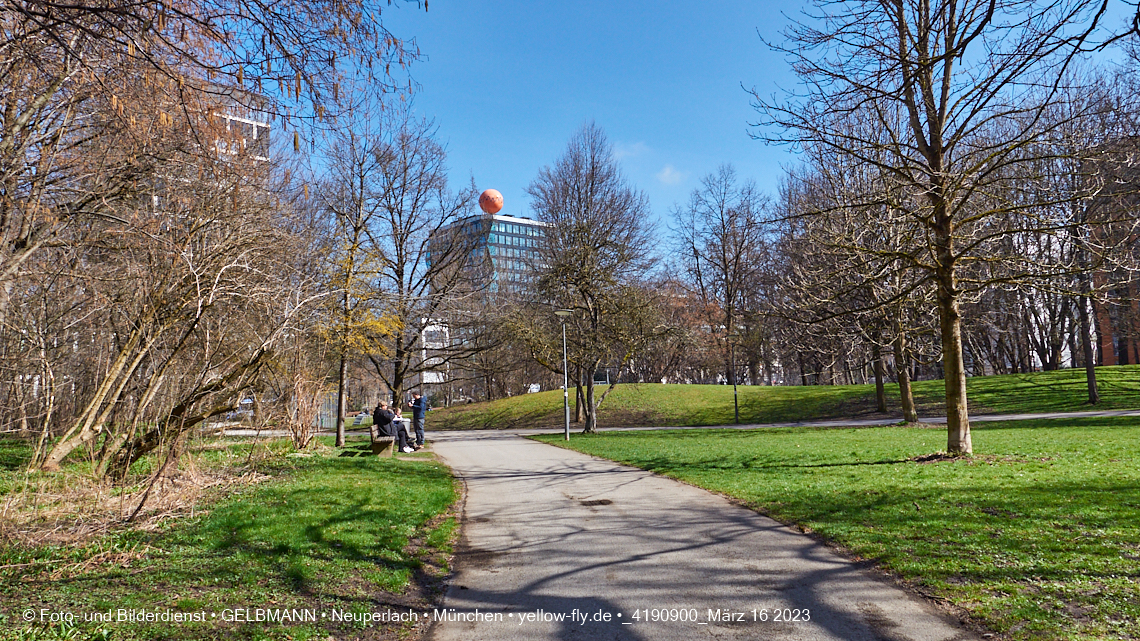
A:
(510, 81)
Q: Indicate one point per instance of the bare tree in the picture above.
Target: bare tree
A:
(595, 254)
(396, 189)
(721, 238)
(352, 196)
(69, 71)
(843, 269)
(133, 212)
(955, 93)
(680, 349)
(190, 295)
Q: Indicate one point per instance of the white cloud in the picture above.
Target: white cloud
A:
(670, 176)
(622, 150)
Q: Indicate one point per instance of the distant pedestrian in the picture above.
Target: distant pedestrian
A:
(419, 408)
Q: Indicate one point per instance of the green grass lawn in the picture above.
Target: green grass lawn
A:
(685, 405)
(323, 532)
(1037, 536)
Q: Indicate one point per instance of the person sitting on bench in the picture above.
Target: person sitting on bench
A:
(383, 419)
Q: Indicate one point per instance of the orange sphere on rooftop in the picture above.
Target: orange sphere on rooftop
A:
(491, 201)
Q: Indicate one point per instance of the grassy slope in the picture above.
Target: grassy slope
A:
(656, 404)
(323, 532)
(1036, 536)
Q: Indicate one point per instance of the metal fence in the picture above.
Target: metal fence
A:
(326, 416)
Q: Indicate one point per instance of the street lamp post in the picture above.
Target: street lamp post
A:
(732, 338)
(562, 315)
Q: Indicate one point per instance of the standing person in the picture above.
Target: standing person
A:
(419, 408)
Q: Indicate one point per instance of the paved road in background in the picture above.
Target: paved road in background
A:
(838, 422)
(552, 536)
(857, 422)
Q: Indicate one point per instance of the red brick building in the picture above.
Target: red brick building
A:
(1118, 319)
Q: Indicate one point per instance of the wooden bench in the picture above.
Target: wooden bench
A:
(384, 445)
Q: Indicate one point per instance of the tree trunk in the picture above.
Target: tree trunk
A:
(398, 377)
(591, 426)
(1087, 349)
(579, 398)
(114, 459)
(880, 390)
(954, 371)
(341, 399)
(88, 425)
(902, 368)
(45, 422)
(181, 419)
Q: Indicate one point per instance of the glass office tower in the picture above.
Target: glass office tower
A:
(506, 249)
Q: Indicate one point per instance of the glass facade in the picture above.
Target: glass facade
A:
(513, 246)
(510, 247)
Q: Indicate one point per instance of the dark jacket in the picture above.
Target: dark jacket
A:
(419, 406)
(382, 419)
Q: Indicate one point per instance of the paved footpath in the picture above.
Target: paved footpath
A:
(552, 537)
